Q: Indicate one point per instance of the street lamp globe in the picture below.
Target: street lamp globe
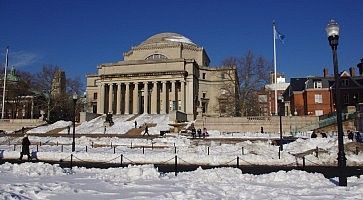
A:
(332, 29)
(75, 97)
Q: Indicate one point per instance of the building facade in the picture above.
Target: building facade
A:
(315, 95)
(165, 73)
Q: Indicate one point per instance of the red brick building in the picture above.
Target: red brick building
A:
(314, 95)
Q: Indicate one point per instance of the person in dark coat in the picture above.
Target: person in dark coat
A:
(313, 135)
(146, 131)
(350, 135)
(194, 132)
(323, 135)
(25, 147)
(199, 131)
(135, 123)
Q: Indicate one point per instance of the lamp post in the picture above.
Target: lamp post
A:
(280, 112)
(332, 30)
(75, 97)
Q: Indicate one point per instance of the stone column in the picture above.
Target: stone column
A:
(136, 99)
(110, 98)
(182, 95)
(101, 99)
(118, 99)
(154, 98)
(146, 94)
(164, 98)
(127, 98)
(173, 94)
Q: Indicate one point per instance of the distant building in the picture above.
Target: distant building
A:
(59, 83)
(165, 73)
(315, 95)
(266, 97)
(19, 102)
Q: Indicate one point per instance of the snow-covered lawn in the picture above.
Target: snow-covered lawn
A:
(44, 181)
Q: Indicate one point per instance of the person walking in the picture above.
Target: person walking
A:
(146, 131)
(25, 147)
(199, 131)
(194, 132)
(135, 123)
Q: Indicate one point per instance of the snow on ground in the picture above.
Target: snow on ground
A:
(44, 181)
(195, 151)
(46, 128)
(121, 125)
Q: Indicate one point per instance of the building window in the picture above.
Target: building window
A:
(318, 98)
(156, 57)
(346, 99)
(94, 108)
(203, 75)
(223, 76)
(345, 82)
(95, 95)
(179, 105)
(319, 112)
(318, 84)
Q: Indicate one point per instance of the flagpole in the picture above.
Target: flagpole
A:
(4, 88)
(275, 76)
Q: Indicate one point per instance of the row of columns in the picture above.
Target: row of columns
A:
(123, 96)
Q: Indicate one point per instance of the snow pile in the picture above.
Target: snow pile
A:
(47, 128)
(144, 182)
(32, 169)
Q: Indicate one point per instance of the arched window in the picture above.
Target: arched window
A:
(156, 57)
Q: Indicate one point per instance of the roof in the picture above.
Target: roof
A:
(297, 84)
(167, 38)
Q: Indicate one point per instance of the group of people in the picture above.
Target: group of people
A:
(200, 133)
(355, 136)
(314, 135)
(351, 135)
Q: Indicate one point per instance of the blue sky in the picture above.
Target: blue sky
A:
(78, 34)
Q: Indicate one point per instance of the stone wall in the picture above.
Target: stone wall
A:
(254, 124)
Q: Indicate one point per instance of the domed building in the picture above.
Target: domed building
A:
(166, 73)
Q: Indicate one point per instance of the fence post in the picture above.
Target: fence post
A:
(237, 162)
(174, 150)
(92, 144)
(317, 152)
(143, 150)
(111, 144)
(57, 143)
(356, 150)
(176, 165)
(62, 148)
(208, 150)
(303, 161)
(37, 148)
(86, 148)
(40, 143)
(243, 151)
(122, 157)
(152, 146)
(279, 152)
(114, 149)
(14, 146)
(131, 145)
(71, 161)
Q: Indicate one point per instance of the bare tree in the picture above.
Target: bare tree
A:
(43, 82)
(252, 75)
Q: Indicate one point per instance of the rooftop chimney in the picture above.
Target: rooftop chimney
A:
(352, 71)
(325, 72)
(360, 67)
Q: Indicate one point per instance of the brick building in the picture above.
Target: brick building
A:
(314, 95)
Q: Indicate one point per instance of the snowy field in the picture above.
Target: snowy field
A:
(44, 181)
